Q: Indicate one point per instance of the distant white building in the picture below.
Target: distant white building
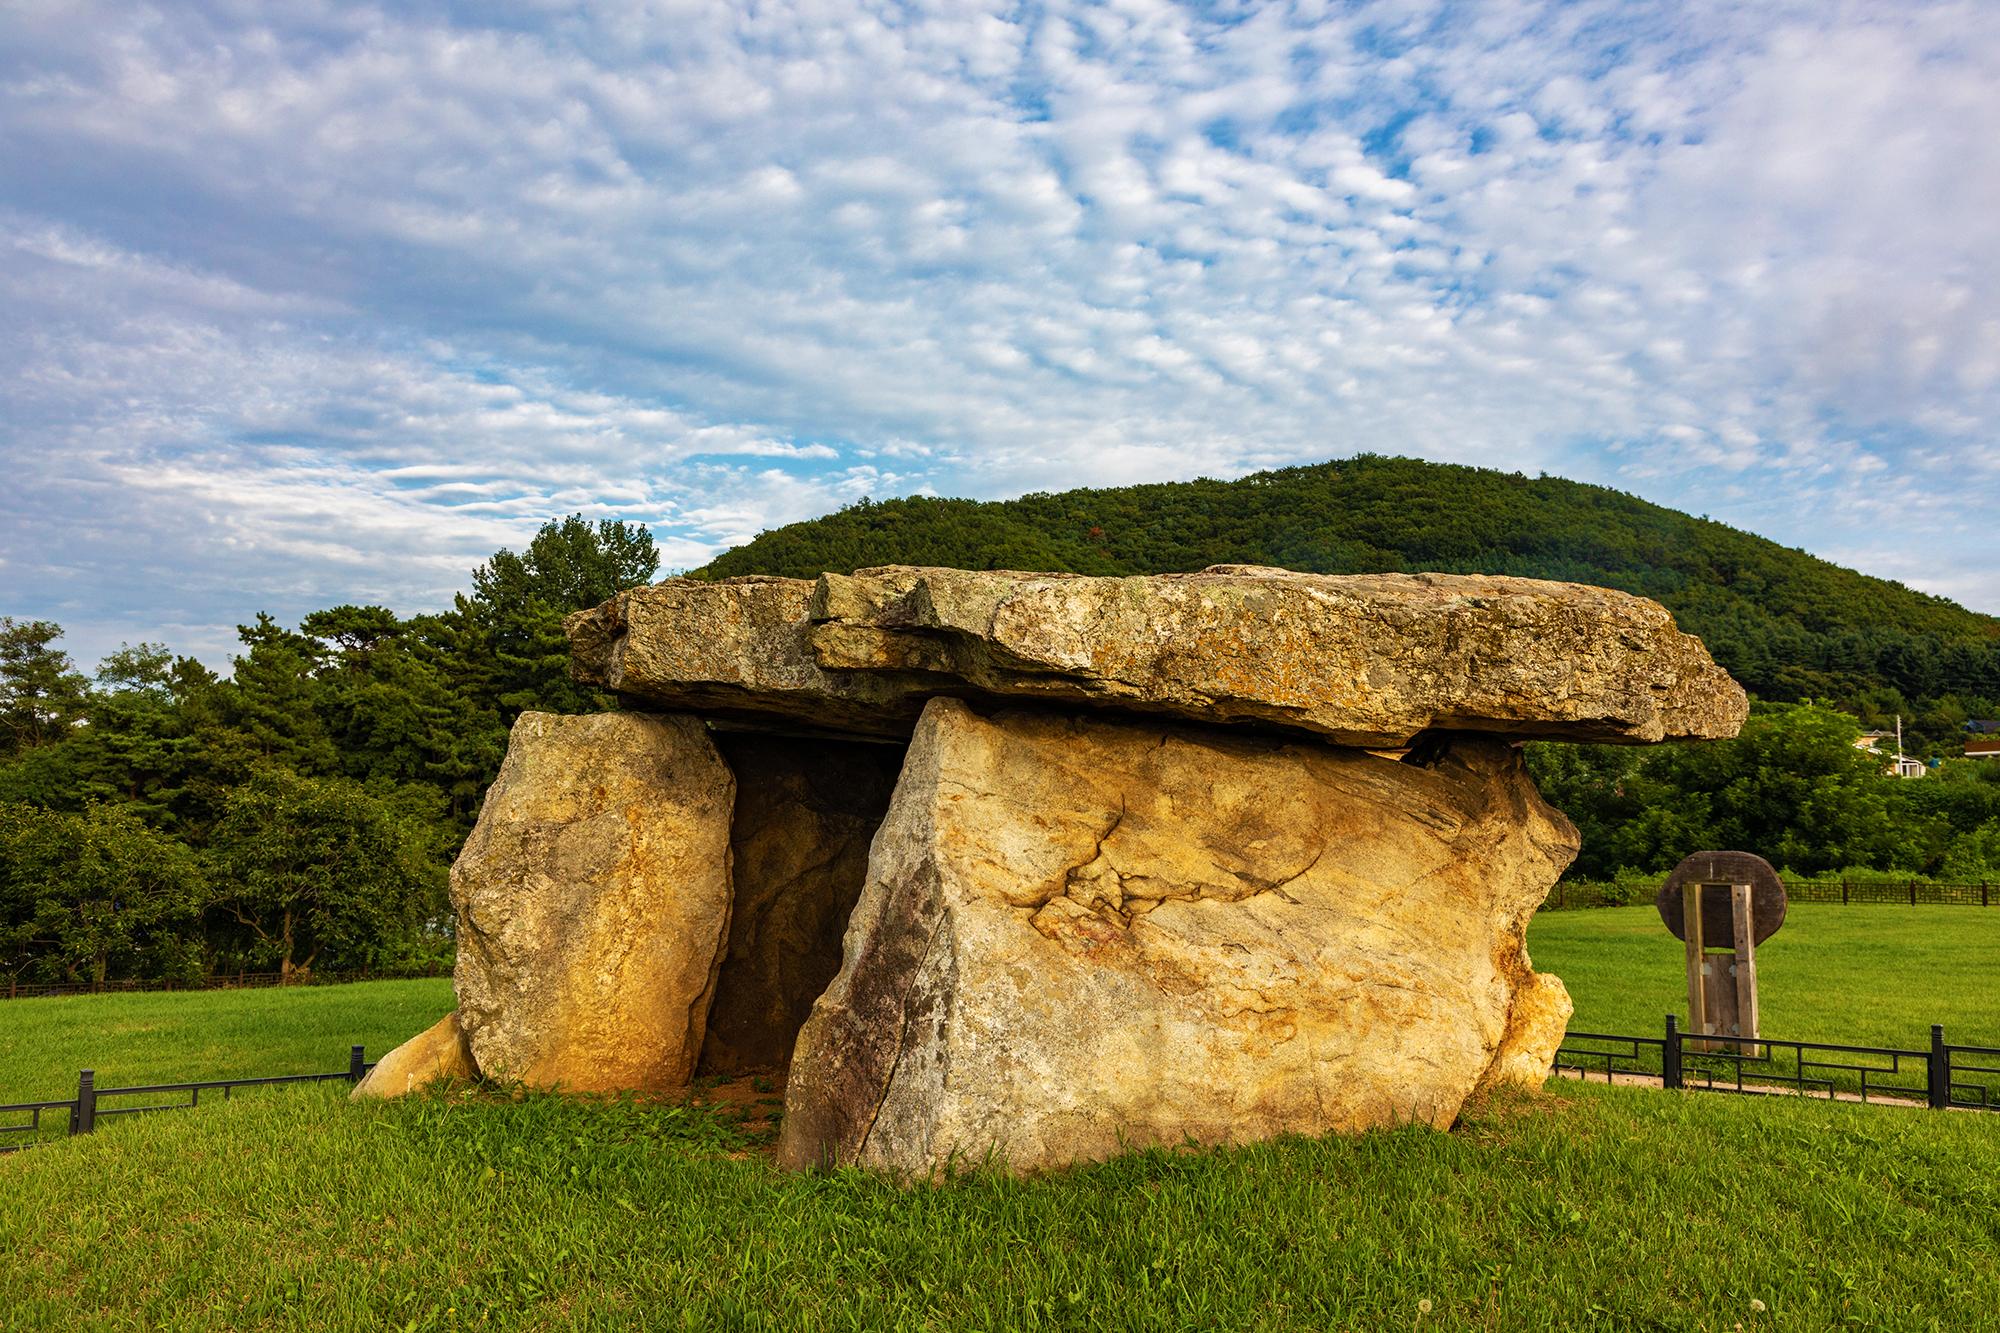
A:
(1903, 766)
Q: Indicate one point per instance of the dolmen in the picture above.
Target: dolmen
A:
(1034, 868)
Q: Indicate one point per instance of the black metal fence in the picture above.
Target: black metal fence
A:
(1941, 1076)
(1911, 893)
(84, 1110)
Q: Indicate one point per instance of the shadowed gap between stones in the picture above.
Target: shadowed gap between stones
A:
(806, 811)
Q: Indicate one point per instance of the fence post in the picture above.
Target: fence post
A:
(1670, 1055)
(1913, 893)
(356, 1065)
(83, 1117)
(1937, 1070)
(1843, 893)
(1982, 894)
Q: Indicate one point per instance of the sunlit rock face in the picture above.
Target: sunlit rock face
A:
(1367, 660)
(1079, 935)
(593, 903)
(437, 1053)
(1031, 867)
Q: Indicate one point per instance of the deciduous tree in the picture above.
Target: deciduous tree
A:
(91, 893)
(321, 869)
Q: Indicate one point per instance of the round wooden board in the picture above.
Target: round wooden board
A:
(1718, 928)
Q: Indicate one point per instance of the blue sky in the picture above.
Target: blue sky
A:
(303, 304)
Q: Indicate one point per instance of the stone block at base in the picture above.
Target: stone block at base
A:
(438, 1052)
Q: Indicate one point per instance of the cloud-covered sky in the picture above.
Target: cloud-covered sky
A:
(309, 303)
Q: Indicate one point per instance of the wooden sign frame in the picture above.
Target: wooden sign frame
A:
(1721, 983)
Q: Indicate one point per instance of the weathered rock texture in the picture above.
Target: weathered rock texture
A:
(439, 1051)
(1535, 1027)
(1083, 934)
(739, 646)
(1364, 660)
(593, 902)
(1097, 912)
(805, 811)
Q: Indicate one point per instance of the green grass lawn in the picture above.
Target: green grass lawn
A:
(1589, 1207)
(1611, 1208)
(1874, 976)
(183, 1036)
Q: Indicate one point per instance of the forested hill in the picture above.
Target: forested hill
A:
(1787, 624)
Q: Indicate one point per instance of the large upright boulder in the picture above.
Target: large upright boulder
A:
(1365, 660)
(1079, 935)
(593, 902)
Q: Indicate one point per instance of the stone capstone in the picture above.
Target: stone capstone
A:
(1368, 660)
(438, 1052)
(806, 809)
(1079, 935)
(593, 901)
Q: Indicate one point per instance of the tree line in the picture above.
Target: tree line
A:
(160, 820)
(1792, 787)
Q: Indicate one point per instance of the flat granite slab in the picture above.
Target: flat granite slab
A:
(1368, 660)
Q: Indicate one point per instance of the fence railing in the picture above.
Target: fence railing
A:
(89, 1105)
(1912, 893)
(16, 989)
(1942, 1075)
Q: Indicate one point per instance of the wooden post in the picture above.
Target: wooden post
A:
(1697, 991)
(1746, 966)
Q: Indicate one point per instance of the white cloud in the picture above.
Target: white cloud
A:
(374, 291)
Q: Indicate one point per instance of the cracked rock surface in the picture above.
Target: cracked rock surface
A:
(593, 903)
(1081, 934)
(1365, 660)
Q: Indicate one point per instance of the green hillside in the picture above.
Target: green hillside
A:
(1787, 624)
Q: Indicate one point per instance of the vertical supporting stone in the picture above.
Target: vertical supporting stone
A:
(1082, 935)
(593, 900)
